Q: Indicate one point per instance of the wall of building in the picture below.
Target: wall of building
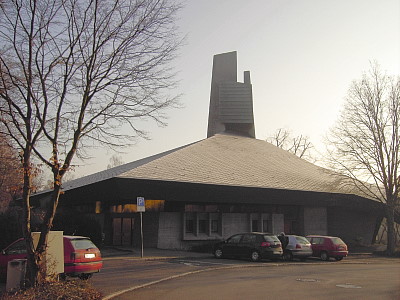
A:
(150, 230)
(315, 220)
(353, 226)
(278, 223)
(170, 231)
(234, 223)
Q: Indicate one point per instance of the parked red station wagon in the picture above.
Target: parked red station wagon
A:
(81, 257)
(326, 247)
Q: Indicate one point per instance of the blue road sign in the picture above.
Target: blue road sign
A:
(140, 204)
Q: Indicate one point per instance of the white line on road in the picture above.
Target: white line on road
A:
(204, 263)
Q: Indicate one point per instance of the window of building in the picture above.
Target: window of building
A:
(267, 226)
(200, 224)
(98, 207)
(155, 205)
(201, 208)
(194, 208)
(211, 208)
(116, 208)
(214, 226)
(254, 225)
(291, 226)
(203, 226)
(189, 228)
(129, 208)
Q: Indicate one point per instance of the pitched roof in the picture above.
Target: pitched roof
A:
(233, 160)
(112, 172)
(228, 160)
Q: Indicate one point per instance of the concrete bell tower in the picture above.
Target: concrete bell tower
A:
(231, 102)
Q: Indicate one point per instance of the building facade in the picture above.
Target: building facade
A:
(229, 182)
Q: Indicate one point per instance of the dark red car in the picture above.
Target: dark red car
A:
(326, 247)
(81, 257)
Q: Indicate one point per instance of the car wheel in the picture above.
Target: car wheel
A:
(218, 253)
(85, 276)
(324, 256)
(339, 258)
(288, 256)
(255, 256)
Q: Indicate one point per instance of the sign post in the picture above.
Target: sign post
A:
(140, 207)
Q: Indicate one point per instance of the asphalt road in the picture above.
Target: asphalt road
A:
(209, 278)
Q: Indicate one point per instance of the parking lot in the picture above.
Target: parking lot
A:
(371, 278)
(126, 277)
(360, 276)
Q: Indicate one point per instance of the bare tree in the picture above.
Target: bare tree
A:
(10, 173)
(115, 160)
(365, 142)
(280, 138)
(76, 73)
(298, 145)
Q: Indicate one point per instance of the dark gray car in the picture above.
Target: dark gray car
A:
(253, 245)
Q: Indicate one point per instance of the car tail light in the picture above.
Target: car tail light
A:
(265, 244)
(298, 246)
(76, 255)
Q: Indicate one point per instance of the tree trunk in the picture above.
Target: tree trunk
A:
(32, 266)
(391, 238)
(40, 265)
(36, 267)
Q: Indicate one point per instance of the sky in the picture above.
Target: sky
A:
(302, 56)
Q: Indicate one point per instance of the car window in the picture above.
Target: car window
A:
(234, 239)
(82, 244)
(271, 238)
(17, 248)
(249, 238)
(317, 241)
(302, 240)
(337, 241)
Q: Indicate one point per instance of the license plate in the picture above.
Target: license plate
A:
(90, 255)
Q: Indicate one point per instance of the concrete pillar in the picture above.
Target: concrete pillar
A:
(315, 220)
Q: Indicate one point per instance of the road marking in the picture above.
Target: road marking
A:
(197, 263)
(307, 280)
(348, 286)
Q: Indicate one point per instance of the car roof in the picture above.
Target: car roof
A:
(73, 237)
(323, 236)
(258, 233)
(295, 235)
